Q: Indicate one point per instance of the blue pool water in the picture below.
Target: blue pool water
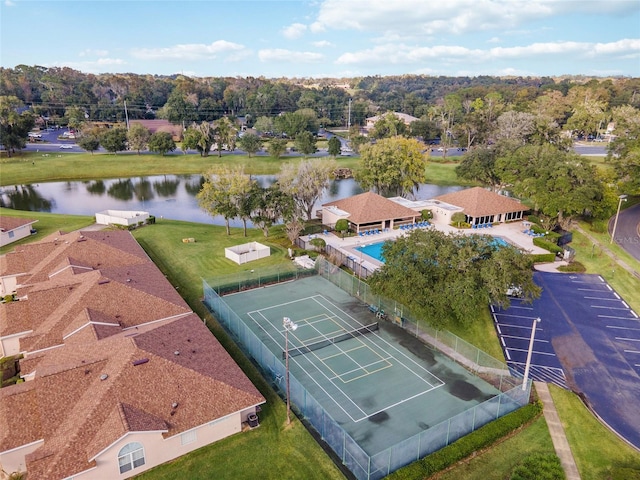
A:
(374, 250)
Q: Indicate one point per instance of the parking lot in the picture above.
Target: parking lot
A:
(587, 340)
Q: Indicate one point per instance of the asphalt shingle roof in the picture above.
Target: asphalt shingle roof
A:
(370, 207)
(478, 202)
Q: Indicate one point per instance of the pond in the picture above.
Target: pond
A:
(166, 196)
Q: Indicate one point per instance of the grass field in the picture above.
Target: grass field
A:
(33, 167)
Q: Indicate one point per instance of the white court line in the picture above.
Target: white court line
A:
(387, 343)
(613, 316)
(525, 338)
(311, 377)
(629, 339)
(623, 328)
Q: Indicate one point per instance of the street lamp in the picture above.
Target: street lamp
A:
(288, 326)
(615, 222)
(528, 364)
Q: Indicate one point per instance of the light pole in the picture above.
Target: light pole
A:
(615, 222)
(288, 325)
(528, 364)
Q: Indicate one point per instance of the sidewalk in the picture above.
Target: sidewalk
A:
(556, 430)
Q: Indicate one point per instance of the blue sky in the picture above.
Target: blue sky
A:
(325, 38)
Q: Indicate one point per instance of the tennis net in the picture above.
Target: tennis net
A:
(310, 347)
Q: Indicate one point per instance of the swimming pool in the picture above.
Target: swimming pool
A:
(374, 250)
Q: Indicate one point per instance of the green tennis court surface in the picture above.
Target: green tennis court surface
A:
(381, 386)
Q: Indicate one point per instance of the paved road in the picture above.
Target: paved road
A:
(628, 230)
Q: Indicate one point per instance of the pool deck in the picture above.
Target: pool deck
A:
(512, 233)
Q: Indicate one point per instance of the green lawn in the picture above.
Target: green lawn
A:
(497, 462)
(596, 450)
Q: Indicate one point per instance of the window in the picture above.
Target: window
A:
(11, 234)
(131, 456)
(188, 437)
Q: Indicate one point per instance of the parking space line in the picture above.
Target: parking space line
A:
(613, 316)
(625, 304)
(602, 298)
(528, 327)
(632, 351)
(610, 308)
(516, 316)
(524, 338)
(630, 339)
(518, 306)
(506, 351)
(623, 328)
(633, 313)
(534, 351)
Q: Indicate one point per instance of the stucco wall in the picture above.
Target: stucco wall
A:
(13, 460)
(14, 235)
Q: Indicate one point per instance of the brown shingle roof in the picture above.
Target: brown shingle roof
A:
(370, 207)
(70, 404)
(11, 223)
(478, 202)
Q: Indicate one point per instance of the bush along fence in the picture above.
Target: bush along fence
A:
(360, 463)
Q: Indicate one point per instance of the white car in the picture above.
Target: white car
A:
(66, 146)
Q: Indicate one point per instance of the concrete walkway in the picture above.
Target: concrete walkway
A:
(556, 430)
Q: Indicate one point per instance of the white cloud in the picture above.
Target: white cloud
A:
(411, 18)
(192, 51)
(409, 55)
(494, 40)
(293, 31)
(322, 44)
(288, 56)
(9, 3)
(88, 52)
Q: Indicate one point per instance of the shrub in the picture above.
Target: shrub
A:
(573, 267)
(342, 226)
(547, 245)
(599, 226)
(426, 215)
(458, 219)
(8, 298)
(533, 219)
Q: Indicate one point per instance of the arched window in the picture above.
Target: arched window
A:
(130, 456)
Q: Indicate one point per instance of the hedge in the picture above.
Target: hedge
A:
(547, 245)
(467, 445)
(543, 257)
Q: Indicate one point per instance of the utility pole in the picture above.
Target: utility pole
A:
(126, 115)
(349, 119)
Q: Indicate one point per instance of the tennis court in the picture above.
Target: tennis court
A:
(380, 384)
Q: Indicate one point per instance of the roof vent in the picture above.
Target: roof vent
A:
(104, 376)
(174, 405)
(177, 352)
(140, 362)
(102, 282)
(128, 279)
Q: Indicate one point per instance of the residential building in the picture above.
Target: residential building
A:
(119, 374)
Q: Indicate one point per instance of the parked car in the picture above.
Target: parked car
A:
(66, 146)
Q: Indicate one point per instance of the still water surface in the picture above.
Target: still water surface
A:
(168, 196)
